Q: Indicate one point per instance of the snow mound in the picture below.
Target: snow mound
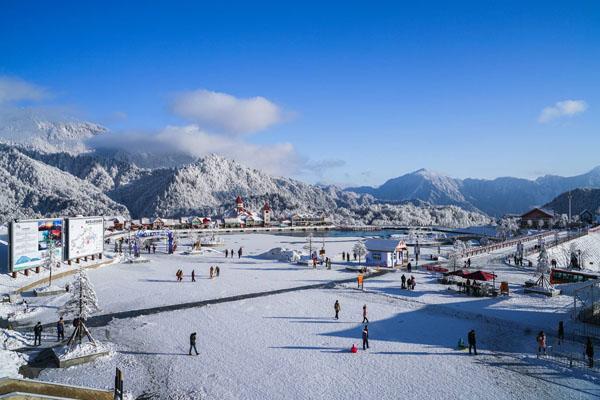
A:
(11, 340)
(281, 254)
(10, 362)
(81, 350)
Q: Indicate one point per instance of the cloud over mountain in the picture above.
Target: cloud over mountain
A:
(15, 90)
(225, 113)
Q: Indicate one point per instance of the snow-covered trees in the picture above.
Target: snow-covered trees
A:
(81, 305)
(542, 261)
(455, 256)
(359, 249)
(83, 301)
(51, 260)
(507, 228)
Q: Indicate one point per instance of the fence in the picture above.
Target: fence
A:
(508, 243)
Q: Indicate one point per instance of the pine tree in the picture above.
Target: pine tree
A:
(51, 260)
(359, 249)
(82, 304)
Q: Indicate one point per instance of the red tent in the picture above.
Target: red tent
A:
(480, 276)
(459, 272)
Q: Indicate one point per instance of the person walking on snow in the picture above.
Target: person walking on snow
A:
(217, 270)
(403, 279)
(365, 337)
(193, 343)
(240, 253)
(231, 252)
(343, 256)
(337, 308)
(37, 334)
(193, 276)
(561, 332)
(60, 330)
(226, 253)
(541, 341)
(211, 272)
(472, 341)
(365, 319)
(589, 352)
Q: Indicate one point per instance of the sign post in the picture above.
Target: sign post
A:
(118, 385)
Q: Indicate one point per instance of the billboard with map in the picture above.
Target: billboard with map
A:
(29, 241)
(85, 237)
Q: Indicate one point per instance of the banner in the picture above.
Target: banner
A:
(85, 237)
(29, 241)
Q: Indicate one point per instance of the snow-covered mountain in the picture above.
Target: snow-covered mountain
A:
(424, 185)
(581, 199)
(494, 197)
(210, 185)
(30, 188)
(32, 130)
(36, 183)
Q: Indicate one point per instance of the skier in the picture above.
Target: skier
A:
(211, 272)
(217, 270)
(472, 341)
(541, 341)
(365, 337)
(60, 330)
(193, 276)
(37, 334)
(561, 332)
(193, 343)
(337, 309)
(589, 352)
(226, 253)
(365, 319)
(240, 253)
(403, 279)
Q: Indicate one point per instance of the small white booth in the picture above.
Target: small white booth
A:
(386, 252)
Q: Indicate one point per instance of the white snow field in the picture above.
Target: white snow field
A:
(289, 346)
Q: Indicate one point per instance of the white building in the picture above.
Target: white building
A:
(386, 252)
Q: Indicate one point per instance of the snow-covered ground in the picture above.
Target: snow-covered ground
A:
(288, 345)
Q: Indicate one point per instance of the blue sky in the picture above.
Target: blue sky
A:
(362, 91)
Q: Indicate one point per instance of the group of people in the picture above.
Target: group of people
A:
(179, 275)
(150, 248)
(214, 271)
(346, 256)
(409, 283)
(230, 252)
(365, 332)
(39, 328)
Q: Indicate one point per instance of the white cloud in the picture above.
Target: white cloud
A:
(15, 89)
(565, 108)
(278, 159)
(226, 113)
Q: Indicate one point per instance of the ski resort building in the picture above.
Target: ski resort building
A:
(538, 218)
(240, 217)
(388, 253)
(307, 220)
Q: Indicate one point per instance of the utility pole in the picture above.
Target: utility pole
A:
(570, 196)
